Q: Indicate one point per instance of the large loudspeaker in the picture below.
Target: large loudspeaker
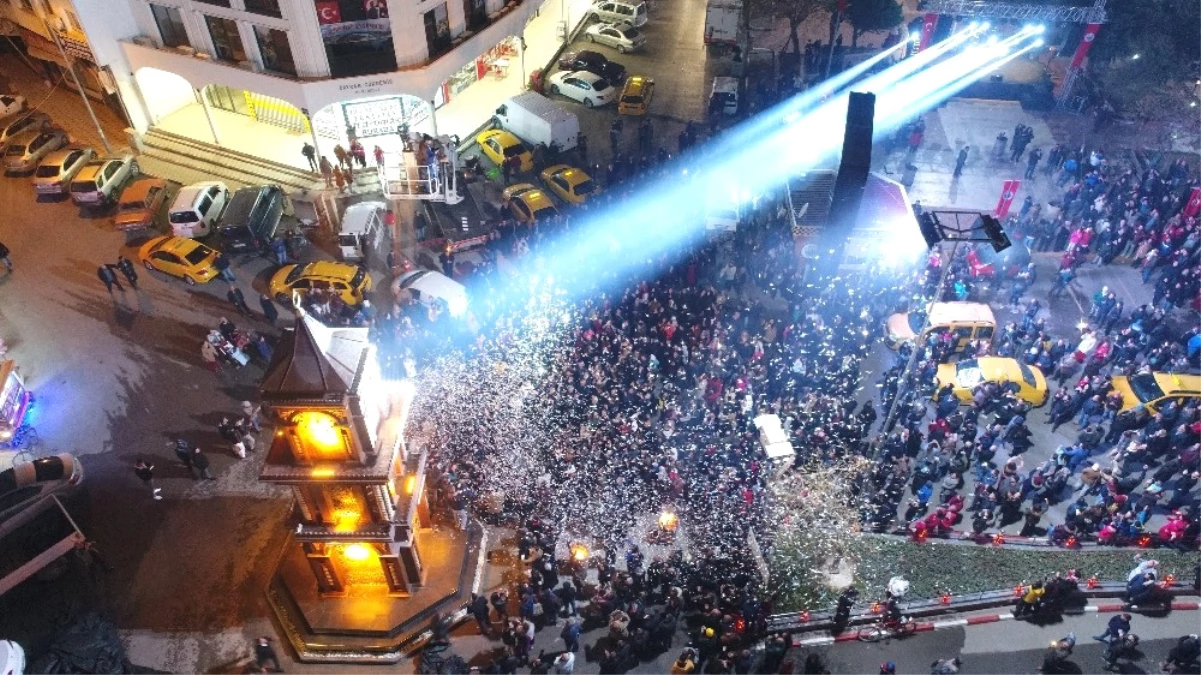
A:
(853, 168)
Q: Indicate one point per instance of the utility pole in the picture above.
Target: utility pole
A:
(108, 150)
(837, 25)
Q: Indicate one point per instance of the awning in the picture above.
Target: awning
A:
(41, 48)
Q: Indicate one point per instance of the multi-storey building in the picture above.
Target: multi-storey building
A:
(266, 75)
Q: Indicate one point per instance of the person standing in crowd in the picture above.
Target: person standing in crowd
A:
(109, 278)
(145, 473)
(268, 307)
(960, 161)
(128, 271)
(5, 258)
(238, 300)
(310, 154)
(327, 171)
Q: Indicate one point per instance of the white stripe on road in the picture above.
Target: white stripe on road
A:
(809, 642)
(1091, 608)
(939, 625)
(1005, 616)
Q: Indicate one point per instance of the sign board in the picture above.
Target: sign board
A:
(780, 453)
(375, 118)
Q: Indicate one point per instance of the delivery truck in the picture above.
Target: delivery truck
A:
(723, 18)
(536, 120)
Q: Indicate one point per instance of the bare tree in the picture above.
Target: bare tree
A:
(796, 11)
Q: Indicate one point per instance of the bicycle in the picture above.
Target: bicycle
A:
(885, 630)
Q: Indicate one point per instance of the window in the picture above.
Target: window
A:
(437, 31)
(219, 3)
(275, 50)
(170, 26)
(265, 7)
(227, 42)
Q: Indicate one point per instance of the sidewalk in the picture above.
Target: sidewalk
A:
(63, 104)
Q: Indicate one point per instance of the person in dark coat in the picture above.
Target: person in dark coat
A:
(269, 309)
(128, 270)
(479, 611)
(238, 300)
(200, 465)
(109, 277)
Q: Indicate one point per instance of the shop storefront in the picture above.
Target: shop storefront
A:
(14, 399)
(376, 121)
(494, 64)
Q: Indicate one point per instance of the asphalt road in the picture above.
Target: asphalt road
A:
(1006, 647)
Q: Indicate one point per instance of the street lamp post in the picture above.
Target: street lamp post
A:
(82, 94)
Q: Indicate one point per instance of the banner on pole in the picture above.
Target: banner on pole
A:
(1090, 34)
(928, 24)
(1193, 206)
(1008, 192)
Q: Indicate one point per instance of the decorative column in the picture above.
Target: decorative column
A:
(329, 583)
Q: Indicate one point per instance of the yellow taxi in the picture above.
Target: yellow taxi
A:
(350, 282)
(967, 374)
(571, 184)
(180, 257)
(636, 96)
(1156, 390)
(499, 145)
(528, 203)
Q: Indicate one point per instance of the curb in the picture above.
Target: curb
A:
(927, 626)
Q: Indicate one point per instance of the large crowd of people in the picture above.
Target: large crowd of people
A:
(650, 391)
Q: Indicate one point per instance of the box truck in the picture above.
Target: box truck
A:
(722, 21)
(535, 119)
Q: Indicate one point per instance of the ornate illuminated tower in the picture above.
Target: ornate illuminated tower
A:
(361, 523)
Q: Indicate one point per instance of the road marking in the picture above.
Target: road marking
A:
(813, 641)
(949, 624)
(1091, 608)
(1005, 617)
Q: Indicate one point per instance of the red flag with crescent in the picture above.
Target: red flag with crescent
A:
(328, 11)
(1193, 206)
(929, 22)
(1090, 34)
(1008, 192)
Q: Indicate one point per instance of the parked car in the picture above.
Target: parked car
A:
(499, 145)
(25, 151)
(18, 125)
(619, 11)
(593, 62)
(27, 482)
(251, 218)
(636, 96)
(623, 38)
(433, 289)
(181, 257)
(197, 208)
(140, 202)
(351, 282)
(527, 203)
(573, 185)
(11, 105)
(587, 88)
(1155, 390)
(53, 176)
(101, 180)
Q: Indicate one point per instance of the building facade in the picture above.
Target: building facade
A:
(262, 75)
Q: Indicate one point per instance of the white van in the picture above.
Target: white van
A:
(197, 208)
(360, 226)
(724, 97)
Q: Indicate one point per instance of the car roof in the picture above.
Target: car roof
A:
(180, 245)
(59, 156)
(571, 174)
(505, 138)
(1172, 383)
(995, 366)
(586, 75)
(90, 169)
(138, 189)
(189, 192)
(431, 282)
(328, 269)
(635, 84)
(25, 136)
(588, 55)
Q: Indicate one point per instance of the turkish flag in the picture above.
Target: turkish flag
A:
(1090, 34)
(1193, 207)
(1008, 192)
(928, 23)
(328, 11)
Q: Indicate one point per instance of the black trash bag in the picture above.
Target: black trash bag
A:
(90, 644)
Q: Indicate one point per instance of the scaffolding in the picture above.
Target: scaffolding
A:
(404, 175)
(979, 9)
